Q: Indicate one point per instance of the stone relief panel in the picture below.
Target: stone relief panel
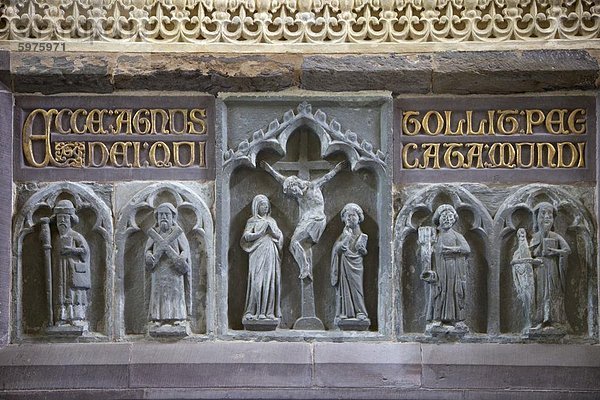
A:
(309, 169)
(164, 259)
(537, 275)
(546, 256)
(63, 253)
(443, 258)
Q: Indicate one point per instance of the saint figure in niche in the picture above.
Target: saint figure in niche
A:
(263, 240)
(347, 271)
(447, 275)
(74, 275)
(522, 272)
(167, 258)
(552, 251)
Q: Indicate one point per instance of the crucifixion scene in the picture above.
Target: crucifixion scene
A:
(306, 194)
(310, 226)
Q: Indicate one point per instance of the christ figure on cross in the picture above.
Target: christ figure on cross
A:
(311, 221)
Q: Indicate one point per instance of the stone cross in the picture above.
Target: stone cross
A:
(303, 166)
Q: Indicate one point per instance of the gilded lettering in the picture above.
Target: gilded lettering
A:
(408, 119)
(452, 152)
(431, 152)
(577, 125)
(459, 126)
(118, 154)
(405, 149)
(439, 123)
(197, 118)
(141, 121)
(533, 118)
(156, 158)
(92, 146)
(550, 154)
(507, 117)
(475, 152)
(555, 121)
(521, 151)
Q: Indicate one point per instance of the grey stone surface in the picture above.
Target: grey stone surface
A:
(62, 72)
(256, 124)
(347, 271)
(193, 203)
(398, 73)
(206, 73)
(246, 370)
(474, 225)
(6, 210)
(221, 365)
(511, 366)
(459, 72)
(5, 80)
(63, 366)
(513, 72)
(361, 365)
(263, 240)
(31, 315)
(493, 244)
(446, 275)
(566, 282)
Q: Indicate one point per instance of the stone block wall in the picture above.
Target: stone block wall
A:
(397, 357)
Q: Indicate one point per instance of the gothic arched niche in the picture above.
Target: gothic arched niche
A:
(474, 223)
(573, 223)
(307, 145)
(93, 234)
(135, 222)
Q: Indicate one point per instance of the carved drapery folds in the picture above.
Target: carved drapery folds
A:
(63, 249)
(293, 21)
(331, 166)
(162, 273)
(562, 269)
(471, 229)
(529, 254)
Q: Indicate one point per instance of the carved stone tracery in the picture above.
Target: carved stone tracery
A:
(293, 21)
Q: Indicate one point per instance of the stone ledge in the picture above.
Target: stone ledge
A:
(459, 72)
(300, 370)
(298, 394)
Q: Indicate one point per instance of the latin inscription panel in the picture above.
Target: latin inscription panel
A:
(495, 139)
(112, 137)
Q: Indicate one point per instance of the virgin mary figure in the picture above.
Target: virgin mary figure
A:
(263, 240)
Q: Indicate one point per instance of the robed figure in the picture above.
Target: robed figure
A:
(552, 250)
(523, 266)
(262, 240)
(447, 275)
(72, 275)
(167, 258)
(347, 271)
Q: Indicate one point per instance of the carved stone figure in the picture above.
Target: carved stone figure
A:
(551, 250)
(73, 277)
(347, 271)
(310, 227)
(263, 240)
(522, 271)
(311, 222)
(167, 258)
(446, 275)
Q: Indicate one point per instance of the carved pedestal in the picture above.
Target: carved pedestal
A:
(168, 330)
(353, 324)
(260, 324)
